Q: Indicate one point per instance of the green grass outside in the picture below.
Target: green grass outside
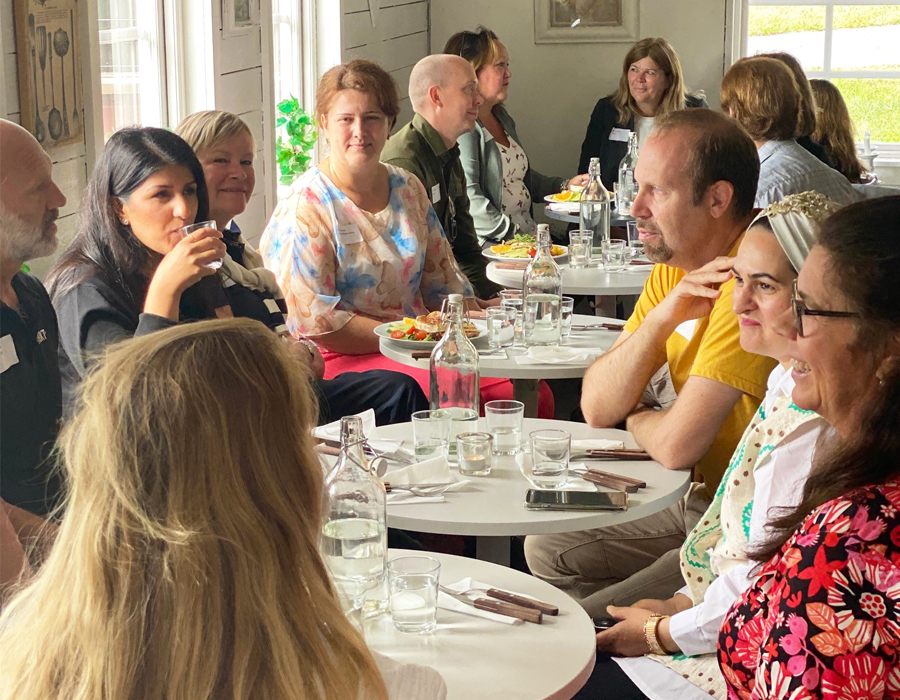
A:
(874, 105)
(767, 20)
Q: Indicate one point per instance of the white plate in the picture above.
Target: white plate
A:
(383, 332)
(563, 207)
(505, 258)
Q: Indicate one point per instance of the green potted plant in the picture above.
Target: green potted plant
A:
(296, 137)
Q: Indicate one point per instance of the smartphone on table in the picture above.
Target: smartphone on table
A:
(576, 500)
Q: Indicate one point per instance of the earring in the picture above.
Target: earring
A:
(124, 222)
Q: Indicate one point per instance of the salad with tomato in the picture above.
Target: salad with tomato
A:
(523, 245)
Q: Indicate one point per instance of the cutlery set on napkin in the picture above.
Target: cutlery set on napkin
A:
(473, 597)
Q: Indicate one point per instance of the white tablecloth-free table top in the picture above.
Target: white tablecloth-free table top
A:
(594, 281)
(573, 217)
(492, 507)
(481, 659)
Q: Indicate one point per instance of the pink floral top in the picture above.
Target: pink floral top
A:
(334, 260)
(822, 620)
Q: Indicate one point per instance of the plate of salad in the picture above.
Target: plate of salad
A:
(425, 331)
(523, 246)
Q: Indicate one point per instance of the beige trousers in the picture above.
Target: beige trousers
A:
(620, 564)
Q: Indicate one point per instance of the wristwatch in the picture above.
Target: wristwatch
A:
(651, 634)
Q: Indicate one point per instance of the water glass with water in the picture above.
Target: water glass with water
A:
(186, 231)
(565, 317)
(462, 420)
(504, 422)
(352, 594)
(635, 246)
(614, 255)
(541, 325)
(413, 583)
(581, 244)
(473, 453)
(501, 323)
(514, 298)
(550, 457)
(431, 433)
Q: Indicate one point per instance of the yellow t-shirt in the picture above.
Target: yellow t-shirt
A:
(709, 347)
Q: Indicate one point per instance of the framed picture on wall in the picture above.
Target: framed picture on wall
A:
(585, 21)
(239, 17)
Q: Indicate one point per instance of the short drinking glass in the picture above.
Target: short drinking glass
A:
(565, 316)
(513, 298)
(550, 457)
(614, 255)
(635, 246)
(504, 422)
(413, 584)
(580, 246)
(186, 231)
(353, 596)
(501, 323)
(473, 453)
(431, 433)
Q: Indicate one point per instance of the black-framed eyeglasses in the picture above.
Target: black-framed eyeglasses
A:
(800, 310)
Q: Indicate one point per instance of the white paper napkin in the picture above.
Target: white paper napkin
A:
(431, 471)
(410, 681)
(573, 483)
(448, 602)
(332, 431)
(558, 355)
(597, 444)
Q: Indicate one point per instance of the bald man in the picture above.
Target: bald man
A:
(443, 91)
(30, 389)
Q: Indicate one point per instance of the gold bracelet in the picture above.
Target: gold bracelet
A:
(651, 627)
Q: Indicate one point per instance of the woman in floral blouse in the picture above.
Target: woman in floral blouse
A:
(822, 620)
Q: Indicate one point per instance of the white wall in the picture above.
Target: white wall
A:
(555, 86)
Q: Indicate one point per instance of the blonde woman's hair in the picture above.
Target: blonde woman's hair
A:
(187, 562)
(205, 130)
(663, 55)
(834, 130)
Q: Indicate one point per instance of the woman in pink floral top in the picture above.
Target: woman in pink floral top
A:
(822, 620)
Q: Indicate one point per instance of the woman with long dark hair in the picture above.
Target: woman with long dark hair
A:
(823, 617)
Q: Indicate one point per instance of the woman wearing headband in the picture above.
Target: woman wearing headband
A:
(767, 471)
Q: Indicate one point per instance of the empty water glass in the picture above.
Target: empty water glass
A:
(635, 246)
(613, 255)
(550, 457)
(352, 594)
(504, 422)
(513, 298)
(580, 246)
(413, 583)
(431, 433)
(565, 316)
(186, 231)
(501, 323)
(473, 453)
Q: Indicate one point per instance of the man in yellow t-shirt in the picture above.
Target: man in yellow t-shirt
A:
(697, 174)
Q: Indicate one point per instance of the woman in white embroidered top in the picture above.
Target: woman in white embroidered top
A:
(767, 470)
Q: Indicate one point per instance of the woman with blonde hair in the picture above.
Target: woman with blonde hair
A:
(834, 130)
(187, 564)
(651, 86)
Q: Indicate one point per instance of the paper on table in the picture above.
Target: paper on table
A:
(431, 471)
(448, 602)
(573, 483)
(558, 355)
(410, 680)
(597, 444)
(332, 431)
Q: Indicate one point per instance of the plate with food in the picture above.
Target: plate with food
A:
(568, 201)
(425, 331)
(522, 247)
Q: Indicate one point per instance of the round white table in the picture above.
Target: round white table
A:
(482, 659)
(594, 281)
(574, 218)
(492, 507)
(525, 378)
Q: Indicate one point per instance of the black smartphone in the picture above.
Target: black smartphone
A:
(604, 623)
(576, 500)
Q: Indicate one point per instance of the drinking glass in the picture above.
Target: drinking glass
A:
(431, 433)
(462, 420)
(542, 323)
(352, 594)
(614, 255)
(550, 457)
(413, 583)
(504, 422)
(635, 246)
(565, 316)
(501, 323)
(580, 247)
(473, 453)
(512, 297)
(187, 230)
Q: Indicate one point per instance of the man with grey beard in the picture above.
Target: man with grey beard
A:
(30, 390)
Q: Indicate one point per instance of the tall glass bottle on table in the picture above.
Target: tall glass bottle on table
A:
(543, 294)
(455, 377)
(354, 534)
(594, 206)
(626, 188)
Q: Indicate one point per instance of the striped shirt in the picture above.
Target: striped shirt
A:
(787, 168)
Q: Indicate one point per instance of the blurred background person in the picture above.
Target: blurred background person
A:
(834, 131)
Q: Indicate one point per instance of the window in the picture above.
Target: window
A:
(853, 43)
(132, 67)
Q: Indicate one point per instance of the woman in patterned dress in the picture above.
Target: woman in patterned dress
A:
(822, 619)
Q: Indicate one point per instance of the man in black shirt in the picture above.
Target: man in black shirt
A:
(30, 393)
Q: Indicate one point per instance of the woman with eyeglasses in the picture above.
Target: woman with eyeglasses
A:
(500, 181)
(822, 618)
(651, 86)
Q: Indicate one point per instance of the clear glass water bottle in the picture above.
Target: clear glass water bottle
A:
(543, 294)
(455, 377)
(354, 534)
(594, 208)
(626, 189)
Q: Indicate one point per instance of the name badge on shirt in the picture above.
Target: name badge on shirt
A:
(435, 193)
(272, 306)
(686, 329)
(347, 234)
(8, 354)
(619, 135)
